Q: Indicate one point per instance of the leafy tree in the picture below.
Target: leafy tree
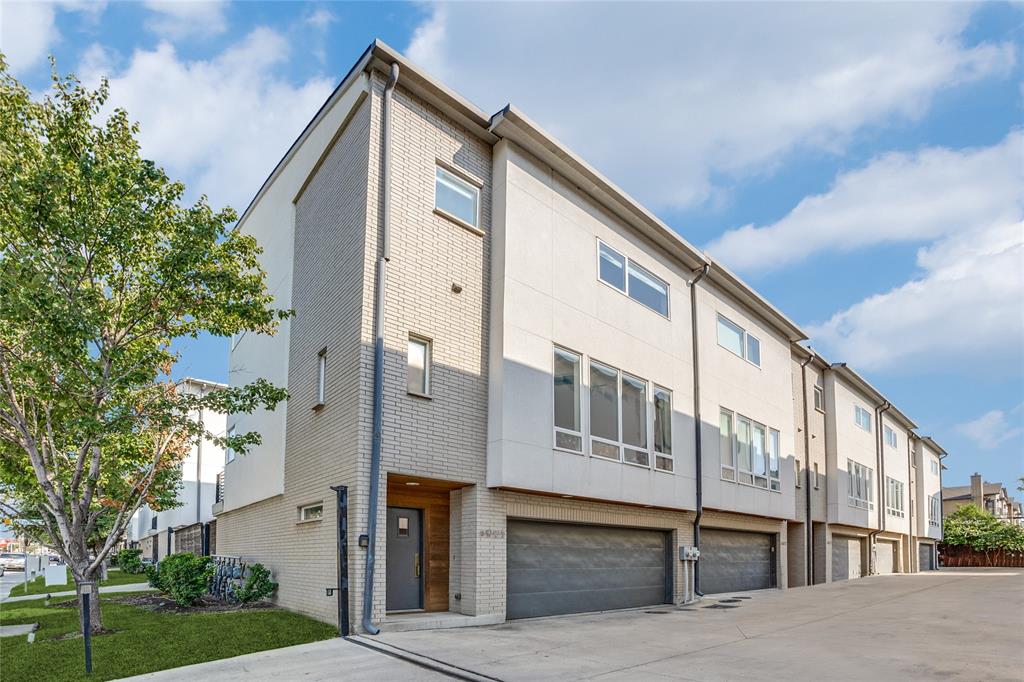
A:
(974, 527)
(102, 267)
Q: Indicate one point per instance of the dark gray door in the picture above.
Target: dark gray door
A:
(731, 561)
(556, 568)
(846, 559)
(925, 557)
(404, 569)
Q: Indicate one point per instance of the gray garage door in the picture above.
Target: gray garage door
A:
(731, 561)
(556, 568)
(885, 553)
(845, 557)
(925, 557)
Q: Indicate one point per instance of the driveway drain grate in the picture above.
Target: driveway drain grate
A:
(721, 606)
(656, 612)
(729, 601)
(741, 597)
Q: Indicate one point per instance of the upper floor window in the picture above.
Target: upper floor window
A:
(321, 377)
(934, 510)
(663, 429)
(749, 451)
(893, 497)
(890, 437)
(618, 271)
(735, 339)
(860, 488)
(418, 366)
(311, 512)
(862, 417)
(229, 453)
(817, 478)
(934, 466)
(819, 398)
(568, 429)
(457, 198)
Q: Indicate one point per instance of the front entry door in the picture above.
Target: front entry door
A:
(404, 559)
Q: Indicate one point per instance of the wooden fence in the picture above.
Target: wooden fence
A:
(962, 556)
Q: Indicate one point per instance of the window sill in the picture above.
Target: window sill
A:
(301, 522)
(424, 396)
(571, 452)
(459, 221)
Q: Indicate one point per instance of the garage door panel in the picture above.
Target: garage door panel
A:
(885, 555)
(556, 568)
(733, 561)
(924, 556)
(846, 557)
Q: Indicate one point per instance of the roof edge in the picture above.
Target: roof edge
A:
(860, 382)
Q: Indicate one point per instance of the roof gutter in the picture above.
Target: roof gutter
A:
(378, 358)
(809, 569)
(702, 273)
(880, 464)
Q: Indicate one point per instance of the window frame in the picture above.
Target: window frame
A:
(894, 491)
(428, 353)
(819, 398)
(888, 431)
(751, 477)
(860, 487)
(626, 263)
(579, 403)
(668, 456)
(934, 510)
(307, 507)
(321, 379)
(229, 452)
(476, 187)
(817, 481)
(857, 412)
(745, 337)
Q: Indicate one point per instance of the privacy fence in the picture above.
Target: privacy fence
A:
(964, 556)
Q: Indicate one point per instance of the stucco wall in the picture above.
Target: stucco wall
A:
(848, 441)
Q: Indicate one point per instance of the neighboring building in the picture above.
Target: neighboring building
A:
(155, 532)
(992, 497)
(553, 359)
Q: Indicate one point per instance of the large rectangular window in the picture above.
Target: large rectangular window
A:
(604, 411)
(618, 271)
(456, 198)
(663, 429)
(568, 429)
(934, 510)
(634, 420)
(418, 368)
(738, 341)
(862, 417)
(893, 497)
(860, 485)
(749, 451)
(890, 437)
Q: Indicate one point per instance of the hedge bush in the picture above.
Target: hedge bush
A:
(128, 560)
(257, 585)
(183, 577)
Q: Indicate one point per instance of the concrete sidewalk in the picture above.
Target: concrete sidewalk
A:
(331, 659)
(109, 589)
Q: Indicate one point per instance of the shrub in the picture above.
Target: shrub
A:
(128, 560)
(184, 577)
(153, 574)
(257, 585)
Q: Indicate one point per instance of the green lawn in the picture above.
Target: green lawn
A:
(38, 586)
(143, 641)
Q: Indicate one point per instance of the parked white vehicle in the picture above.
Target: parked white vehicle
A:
(12, 561)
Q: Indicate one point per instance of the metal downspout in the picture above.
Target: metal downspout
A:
(697, 423)
(880, 463)
(807, 471)
(378, 359)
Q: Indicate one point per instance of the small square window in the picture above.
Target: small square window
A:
(418, 377)
(312, 512)
(457, 198)
(403, 526)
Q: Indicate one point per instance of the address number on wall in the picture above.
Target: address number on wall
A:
(489, 533)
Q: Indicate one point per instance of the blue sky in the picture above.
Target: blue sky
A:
(860, 165)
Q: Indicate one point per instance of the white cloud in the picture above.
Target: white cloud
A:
(176, 19)
(28, 30)
(990, 430)
(220, 124)
(897, 197)
(669, 97)
(967, 307)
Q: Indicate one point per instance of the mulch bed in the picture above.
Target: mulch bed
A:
(161, 604)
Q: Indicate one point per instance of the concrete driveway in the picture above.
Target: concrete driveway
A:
(954, 624)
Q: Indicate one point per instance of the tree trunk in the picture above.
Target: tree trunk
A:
(103, 570)
(95, 619)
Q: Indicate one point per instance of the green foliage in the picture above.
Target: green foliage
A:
(102, 268)
(184, 577)
(128, 560)
(974, 527)
(152, 572)
(257, 585)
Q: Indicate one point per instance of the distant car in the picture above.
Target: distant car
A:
(1, 571)
(54, 559)
(12, 561)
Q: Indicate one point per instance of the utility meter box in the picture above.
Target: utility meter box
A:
(689, 553)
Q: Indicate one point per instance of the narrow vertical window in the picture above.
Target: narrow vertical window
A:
(663, 429)
(568, 430)
(753, 350)
(743, 438)
(611, 267)
(773, 460)
(229, 452)
(604, 411)
(760, 456)
(634, 420)
(726, 447)
(816, 481)
(321, 377)
(418, 377)
(819, 398)
(456, 198)
(797, 468)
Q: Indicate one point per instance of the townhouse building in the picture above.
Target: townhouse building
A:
(156, 533)
(515, 392)
(992, 497)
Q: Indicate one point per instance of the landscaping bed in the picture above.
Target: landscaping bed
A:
(146, 633)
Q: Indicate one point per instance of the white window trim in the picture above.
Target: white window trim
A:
(471, 182)
(558, 429)
(305, 507)
(934, 510)
(737, 469)
(887, 431)
(855, 472)
(321, 378)
(626, 260)
(743, 340)
(229, 453)
(819, 390)
(894, 490)
(428, 356)
(655, 453)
